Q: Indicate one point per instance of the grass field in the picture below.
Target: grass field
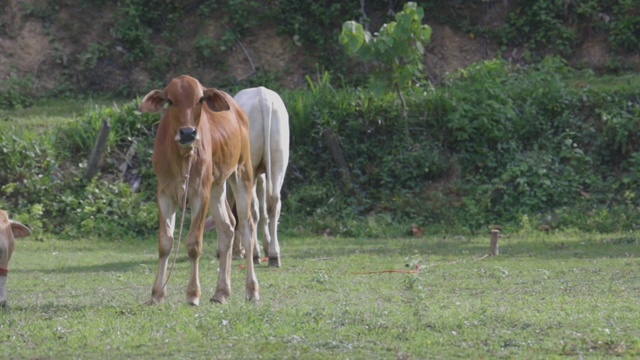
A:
(554, 296)
(48, 113)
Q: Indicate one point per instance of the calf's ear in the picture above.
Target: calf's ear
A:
(19, 230)
(215, 100)
(153, 102)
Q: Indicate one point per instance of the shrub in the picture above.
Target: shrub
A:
(43, 183)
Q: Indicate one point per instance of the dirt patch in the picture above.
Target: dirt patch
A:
(23, 44)
(450, 50)
(596, 50)
(267, 51)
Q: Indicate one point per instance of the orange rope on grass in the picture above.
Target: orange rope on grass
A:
(414, 271)
(243, 266)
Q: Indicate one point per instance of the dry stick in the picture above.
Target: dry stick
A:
(246, 53)
(364, 19)
(482, 257)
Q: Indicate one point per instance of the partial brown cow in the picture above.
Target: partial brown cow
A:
(204, 127)
(9, 231)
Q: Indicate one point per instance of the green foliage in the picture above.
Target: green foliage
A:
(17, 93)
(138, 20)
(38, 10)
(236, 16)
(313, 25)
(494, 143)
(557, 26)
(625, 30)
(105, 207)
(397, 50)
(540, 24)
(43, 182)
(205, 46)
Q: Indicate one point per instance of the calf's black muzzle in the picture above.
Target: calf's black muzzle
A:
(188, 135)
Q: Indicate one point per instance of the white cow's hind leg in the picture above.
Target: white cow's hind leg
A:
(243, 193)
(260, 218)
(274, 205)
(273, 210)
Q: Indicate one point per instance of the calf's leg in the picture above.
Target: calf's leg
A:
(6, 248)
(199, 206)
(224, 228)
(167, 217)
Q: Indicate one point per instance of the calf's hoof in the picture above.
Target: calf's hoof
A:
(253, 297)
(153, 301)
(219, 297)
(257, 260)
(193, 301)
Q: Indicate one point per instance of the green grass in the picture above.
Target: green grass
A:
(544, 297)
(624, 83)
(47, 113)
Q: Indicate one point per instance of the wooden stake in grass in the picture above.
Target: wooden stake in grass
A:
(98, 150)
(334, 146)
(495, 236)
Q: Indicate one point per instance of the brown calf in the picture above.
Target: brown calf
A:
(9, 231)
(206, 131)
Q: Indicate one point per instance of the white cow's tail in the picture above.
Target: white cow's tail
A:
(266, 105)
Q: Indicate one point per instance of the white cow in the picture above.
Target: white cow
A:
(269, 139)
(9, 231)
(269, 134)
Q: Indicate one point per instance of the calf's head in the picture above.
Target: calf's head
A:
(183, 101)
(9, 231)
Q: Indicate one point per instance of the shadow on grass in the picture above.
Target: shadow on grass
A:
(52, 307)
(121, 266)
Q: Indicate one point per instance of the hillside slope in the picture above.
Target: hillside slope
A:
(75, 45)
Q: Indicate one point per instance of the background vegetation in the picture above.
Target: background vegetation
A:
(515, 144)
